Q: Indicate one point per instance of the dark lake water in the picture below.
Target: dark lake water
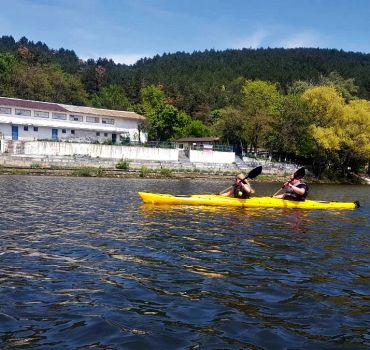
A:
(85, 265)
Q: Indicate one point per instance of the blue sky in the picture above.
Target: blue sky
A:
(126, 30)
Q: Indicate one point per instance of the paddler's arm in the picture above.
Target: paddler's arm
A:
(298, 190)
(246, 185)
(227, 192)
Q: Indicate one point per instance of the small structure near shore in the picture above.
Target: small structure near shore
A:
(187, 143)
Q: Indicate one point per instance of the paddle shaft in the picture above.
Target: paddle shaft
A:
(277, 192)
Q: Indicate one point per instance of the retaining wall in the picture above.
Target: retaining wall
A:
(45, 148)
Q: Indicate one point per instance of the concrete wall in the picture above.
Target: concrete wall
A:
(45, 148)
(210, 156)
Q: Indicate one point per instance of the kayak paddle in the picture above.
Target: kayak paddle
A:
(251, 175)
(301, 172)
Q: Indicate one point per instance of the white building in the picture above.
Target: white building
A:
(27, 120)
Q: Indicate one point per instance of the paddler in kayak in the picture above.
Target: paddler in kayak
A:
(240, 189)
(296, 190)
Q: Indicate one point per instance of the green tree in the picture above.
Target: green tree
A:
(66, 88)
(355, 135)
(340, 130)
(326, 107)
(7, 63)
(47, 83)
(289, 134)
(346, 87)
(230, 125)
(261, 102)
(167, 124)
(164, 121)
(152, 99)
(112, 97)
(195, 128)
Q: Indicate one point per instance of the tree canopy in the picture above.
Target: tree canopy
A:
(310, 105)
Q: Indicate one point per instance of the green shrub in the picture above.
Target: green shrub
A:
(107, 142)
(123, 164)
(100, 172)
(35, 166)
(144, 171)
(166, 172)
(85, 171)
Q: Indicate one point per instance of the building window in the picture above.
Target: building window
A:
(35, 128)
(97, 133)
(107, 120)
(25, 128)
(76, 118)
(5, 110)
(92, 119)
(25, 112)
(72, 132)
(41, 114)
(64, 131)
(105, 134)
(60, 116)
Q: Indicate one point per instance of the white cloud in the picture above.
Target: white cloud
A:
(302, 39)
(254, 41)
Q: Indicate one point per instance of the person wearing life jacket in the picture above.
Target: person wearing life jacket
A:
(240, 189)
(296, 190)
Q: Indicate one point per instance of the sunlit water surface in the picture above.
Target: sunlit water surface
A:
(84, 264)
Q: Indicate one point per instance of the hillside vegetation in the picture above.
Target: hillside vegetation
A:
(310, 105)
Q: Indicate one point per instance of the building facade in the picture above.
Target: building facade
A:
(197, 142)
(27, 120)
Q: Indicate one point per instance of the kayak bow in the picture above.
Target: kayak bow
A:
(254, 202)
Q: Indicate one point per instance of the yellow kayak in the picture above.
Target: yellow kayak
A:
(254, 202)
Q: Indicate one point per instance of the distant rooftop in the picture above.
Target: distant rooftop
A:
(58, 107)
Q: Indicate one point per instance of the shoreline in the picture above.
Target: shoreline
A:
(163, 173)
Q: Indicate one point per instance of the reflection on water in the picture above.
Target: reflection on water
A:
(84, 264)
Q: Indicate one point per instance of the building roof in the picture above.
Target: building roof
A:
(198, 139)
(58, 107)
(15, 102)
(102, 112)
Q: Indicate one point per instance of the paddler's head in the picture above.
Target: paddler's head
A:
(239, 177)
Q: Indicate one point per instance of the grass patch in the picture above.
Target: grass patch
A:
(123, 164)
(144, 171)
(35, 166)
(166, 172)
(88, 171)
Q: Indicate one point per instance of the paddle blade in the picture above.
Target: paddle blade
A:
(301, 172)
(254, 172)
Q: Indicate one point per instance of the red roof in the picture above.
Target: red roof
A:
(14, 102)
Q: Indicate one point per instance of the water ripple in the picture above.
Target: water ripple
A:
(83, 264)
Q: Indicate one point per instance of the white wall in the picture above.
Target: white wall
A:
(82, 128)
(6, 131)
(101, 151)
(210, 156)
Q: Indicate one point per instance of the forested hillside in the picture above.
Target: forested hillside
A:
(203, 81)
(311, 104)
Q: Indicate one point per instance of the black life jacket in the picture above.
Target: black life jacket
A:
(291, 195)
(240, 192)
